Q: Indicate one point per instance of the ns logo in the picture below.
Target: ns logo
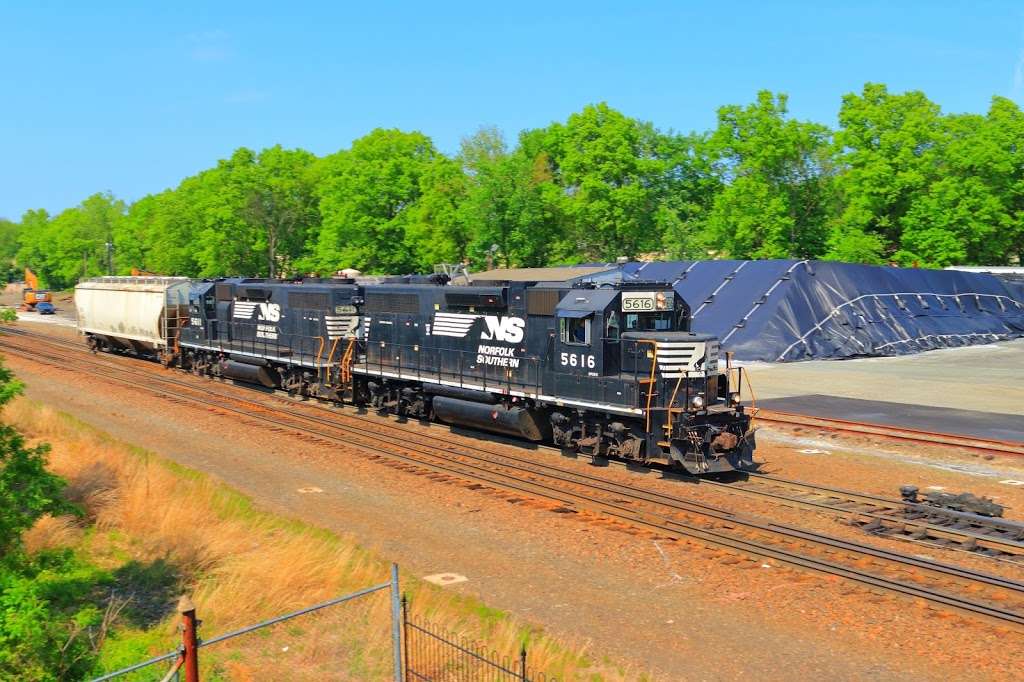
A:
(265, 312)
(269, 312)
(507, 329)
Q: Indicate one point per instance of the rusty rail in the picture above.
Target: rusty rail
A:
(892, 432)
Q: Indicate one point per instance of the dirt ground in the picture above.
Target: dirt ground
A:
(677, 609)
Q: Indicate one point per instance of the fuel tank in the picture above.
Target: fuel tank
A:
(461, 393)
(254, 374)
(512, 421)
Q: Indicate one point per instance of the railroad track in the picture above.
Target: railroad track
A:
(519, 479)
(937, 527)
(987, 446)
(988, 537)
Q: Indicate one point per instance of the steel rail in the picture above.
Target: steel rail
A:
(893, 516)
(986, 445)
(660, 523)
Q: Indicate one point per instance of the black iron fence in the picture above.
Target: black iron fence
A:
(432, 654)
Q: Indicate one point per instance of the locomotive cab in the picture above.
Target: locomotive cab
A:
(630, 344)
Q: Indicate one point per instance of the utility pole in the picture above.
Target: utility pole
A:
(110, 257)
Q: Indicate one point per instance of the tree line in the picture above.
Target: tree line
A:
(897, 181)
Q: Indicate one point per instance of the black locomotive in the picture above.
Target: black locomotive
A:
(607, 369)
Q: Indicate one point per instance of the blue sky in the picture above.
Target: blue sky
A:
(131, 98)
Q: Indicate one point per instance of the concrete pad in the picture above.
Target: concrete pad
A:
(444, 579)
(987, 378)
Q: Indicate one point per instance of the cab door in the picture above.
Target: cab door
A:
(612, 343)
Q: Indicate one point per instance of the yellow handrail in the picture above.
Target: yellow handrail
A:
(330, 356)
(650, 385)
(346, 361)
(672, 400)
(319, 352)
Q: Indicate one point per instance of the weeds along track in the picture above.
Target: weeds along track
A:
(594, 499)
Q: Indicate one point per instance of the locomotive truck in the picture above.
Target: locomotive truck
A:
(604, 368)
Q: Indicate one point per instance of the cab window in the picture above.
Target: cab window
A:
(612, 326)
(649, 322)
(575, 331)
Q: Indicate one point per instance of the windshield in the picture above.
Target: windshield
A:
(649, 322)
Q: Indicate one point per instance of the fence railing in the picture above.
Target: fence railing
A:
(433, 654)
(421, 651)
(186, 656)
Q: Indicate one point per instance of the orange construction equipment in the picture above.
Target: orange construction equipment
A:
(32, 294)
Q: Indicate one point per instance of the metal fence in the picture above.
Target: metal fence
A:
(185, 659)
(420, 650)
(433, 654)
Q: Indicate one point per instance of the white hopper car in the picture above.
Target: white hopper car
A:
(132, 314)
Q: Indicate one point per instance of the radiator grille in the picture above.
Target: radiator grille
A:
(392, 303)
(542, 301)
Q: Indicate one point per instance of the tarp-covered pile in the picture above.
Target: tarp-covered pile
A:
(784, 310)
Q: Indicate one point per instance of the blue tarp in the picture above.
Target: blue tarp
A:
(785, 310)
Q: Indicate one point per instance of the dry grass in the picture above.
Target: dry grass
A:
(51, 532)
(242, 565)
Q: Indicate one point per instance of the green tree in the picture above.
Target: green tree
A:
(73, 244)
(609, 168)
(367, 199)
(438, 231)
(225, 242)
(512, 202)
(890, 147)
(47, 611)
(972, 211)
(776, 178)
(9, 233)
(278, 203)
(688, 189)
(27, 489)
(159, 235)
(32, 252)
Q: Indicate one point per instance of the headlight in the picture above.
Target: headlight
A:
(734, 398)
(697, 402)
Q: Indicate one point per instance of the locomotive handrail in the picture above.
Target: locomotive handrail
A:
(672, 400)
(650, 385)
(450, 365)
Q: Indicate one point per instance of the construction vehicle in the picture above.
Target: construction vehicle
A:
(32, 294)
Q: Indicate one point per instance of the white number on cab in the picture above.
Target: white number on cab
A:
(578, 360)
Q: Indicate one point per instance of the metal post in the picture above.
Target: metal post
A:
(189, 640)
(405, 632)
(522, 663)
(396, 625)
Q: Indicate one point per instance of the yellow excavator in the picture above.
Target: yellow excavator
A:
(32, 295)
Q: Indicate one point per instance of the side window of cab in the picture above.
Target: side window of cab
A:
(574, 331)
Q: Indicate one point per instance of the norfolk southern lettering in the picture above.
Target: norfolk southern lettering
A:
(498, 356)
